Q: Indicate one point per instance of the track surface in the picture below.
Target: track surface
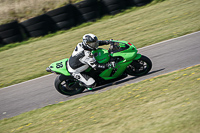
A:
(166, 56)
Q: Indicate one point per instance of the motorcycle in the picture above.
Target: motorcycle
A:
(123, 53)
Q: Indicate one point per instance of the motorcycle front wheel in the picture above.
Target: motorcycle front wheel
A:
(67, 85)
(139, 67)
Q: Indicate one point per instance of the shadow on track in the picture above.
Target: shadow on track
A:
(122, 81)
(100, 88)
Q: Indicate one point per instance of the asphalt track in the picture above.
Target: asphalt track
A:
(166, 56)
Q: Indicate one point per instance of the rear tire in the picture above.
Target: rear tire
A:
(139, 67)
(67, 85)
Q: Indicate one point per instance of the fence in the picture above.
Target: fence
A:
(63, 18)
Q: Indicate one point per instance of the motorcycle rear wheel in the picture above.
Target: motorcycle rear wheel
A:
(139, 67)
(67, 85)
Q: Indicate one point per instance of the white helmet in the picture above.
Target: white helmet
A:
(90, 41)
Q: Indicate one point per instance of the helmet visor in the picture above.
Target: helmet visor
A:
(94, 45)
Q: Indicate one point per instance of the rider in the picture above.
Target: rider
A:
(82, 58)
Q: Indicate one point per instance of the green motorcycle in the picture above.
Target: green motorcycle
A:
(123, 53)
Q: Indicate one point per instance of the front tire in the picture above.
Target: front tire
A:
(139, 67)
(67, 85)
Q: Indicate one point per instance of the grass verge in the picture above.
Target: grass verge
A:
(106, 17)
(145, 26)
(167, 103)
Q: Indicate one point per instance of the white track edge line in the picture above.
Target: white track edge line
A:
(170, 39)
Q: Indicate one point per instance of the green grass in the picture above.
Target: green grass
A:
(143, 26)
(106, 17)
(167, 103)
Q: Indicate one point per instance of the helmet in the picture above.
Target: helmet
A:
(90, 41)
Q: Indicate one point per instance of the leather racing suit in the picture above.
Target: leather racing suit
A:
(80, 60)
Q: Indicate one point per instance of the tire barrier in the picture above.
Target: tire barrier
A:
(113, 7)
(86, 10)
(129, 3)
(141, 2)
(62, 18)
(10, 33)
(37, 26)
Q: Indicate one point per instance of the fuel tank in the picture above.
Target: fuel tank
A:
(101, 55)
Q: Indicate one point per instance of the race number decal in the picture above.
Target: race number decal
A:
(59, 65)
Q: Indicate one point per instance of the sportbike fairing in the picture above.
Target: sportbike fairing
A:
(123, 49)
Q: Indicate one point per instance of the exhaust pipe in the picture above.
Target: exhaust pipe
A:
(48, 69)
